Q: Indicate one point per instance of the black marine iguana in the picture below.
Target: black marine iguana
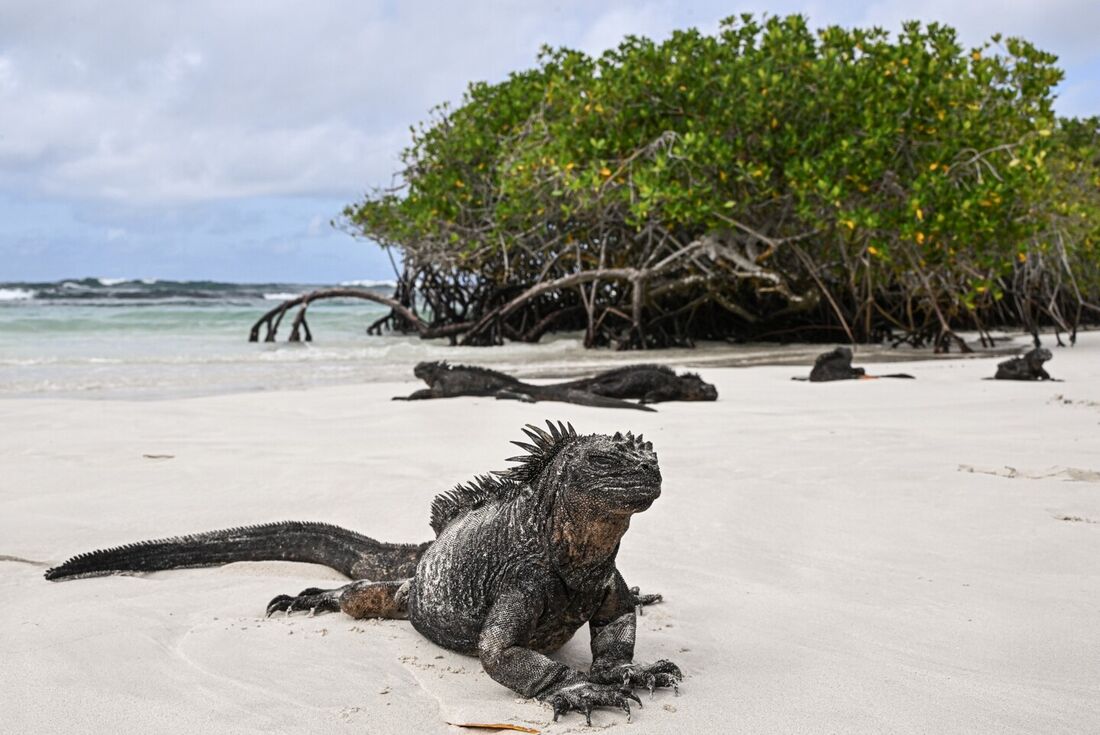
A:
(450, 381)
(1027, 367)
(519, 563)
(837, 365)
(650, 383)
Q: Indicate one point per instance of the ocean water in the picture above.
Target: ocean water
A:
(117, 338)
(150, 339)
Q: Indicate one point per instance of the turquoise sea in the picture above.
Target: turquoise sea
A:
(101, 337)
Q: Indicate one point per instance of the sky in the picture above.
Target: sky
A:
(218, 139)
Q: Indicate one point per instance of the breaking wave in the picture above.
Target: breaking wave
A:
(16, 294)
(151, 290)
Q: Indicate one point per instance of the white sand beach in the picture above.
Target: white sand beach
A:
(882, 556)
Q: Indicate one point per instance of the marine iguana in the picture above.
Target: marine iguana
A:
(521, 560)
(1027, 367)
(650, 383)
(450, 381)
(837, 365)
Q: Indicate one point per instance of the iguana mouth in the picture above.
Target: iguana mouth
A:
(635, 498)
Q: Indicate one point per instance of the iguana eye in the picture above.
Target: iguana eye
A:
(602, 460)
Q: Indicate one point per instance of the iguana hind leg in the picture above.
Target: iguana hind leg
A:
(361, 599)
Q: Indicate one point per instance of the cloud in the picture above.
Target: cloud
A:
(182, 124)
(1065, 27)
(147, 102)
(151, 102)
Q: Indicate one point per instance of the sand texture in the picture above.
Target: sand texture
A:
(884, 556)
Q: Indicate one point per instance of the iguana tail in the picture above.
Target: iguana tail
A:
(582, 398)
(350, 553)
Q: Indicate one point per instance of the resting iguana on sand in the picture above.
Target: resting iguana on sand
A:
(451, 381)
(650, 383)
(519, 563)
(1027, 367)
(837, 365)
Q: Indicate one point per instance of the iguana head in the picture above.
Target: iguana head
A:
(839, 354)
(1039, 355)
(426, 371)
(608, 474)
(694, 388)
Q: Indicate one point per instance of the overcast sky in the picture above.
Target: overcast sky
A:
(214, 139)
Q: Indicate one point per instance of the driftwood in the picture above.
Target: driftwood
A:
(273, 318)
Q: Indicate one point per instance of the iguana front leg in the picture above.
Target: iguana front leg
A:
(515, 395)
(614, 628)
(508, 626)
(660, 395)
(417, 395)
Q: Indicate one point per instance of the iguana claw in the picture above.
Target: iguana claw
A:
(586, 696)
(641, 600)
(659, 674)
(311, 600)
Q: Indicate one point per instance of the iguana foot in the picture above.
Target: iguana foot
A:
(661, 673)
(640, 600)
(313, 600)
(586, 696)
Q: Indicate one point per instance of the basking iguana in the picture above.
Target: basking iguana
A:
(1027, 367)
(450, 381)
(519, 563)
(650, 383)
(837, 365)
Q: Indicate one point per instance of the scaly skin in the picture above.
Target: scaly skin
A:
(1028, 367)
(837, 365)
(520, 562)
(648, 383)
(451, 381)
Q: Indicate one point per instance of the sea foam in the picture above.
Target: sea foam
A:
(15, 294)
(368, 283)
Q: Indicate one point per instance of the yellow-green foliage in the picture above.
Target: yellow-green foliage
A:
(921, 170)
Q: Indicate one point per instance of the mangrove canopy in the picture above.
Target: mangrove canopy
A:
(767, 181)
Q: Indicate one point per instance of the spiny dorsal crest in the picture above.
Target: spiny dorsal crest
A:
(540, 453)
(478, 370)
(479, 491)
(629, 441)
